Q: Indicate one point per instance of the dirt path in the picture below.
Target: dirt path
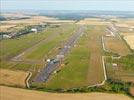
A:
(8, 93)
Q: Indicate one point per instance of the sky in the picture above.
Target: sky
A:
(106, 5)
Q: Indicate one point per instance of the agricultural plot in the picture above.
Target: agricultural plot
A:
(132, 91)
(116, 46)
(130, 40)
(34, 20)
(80, 65)
(13, 78)
(15, 93)
(93, 21)
(123, 71)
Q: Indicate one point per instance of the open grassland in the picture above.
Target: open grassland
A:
(117, 46)
(8, 93)
(80, 65)
(124, 70)
(13, 78)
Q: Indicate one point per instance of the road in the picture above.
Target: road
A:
(51, 66)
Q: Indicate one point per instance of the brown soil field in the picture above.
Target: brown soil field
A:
(8, 93)
(90, 21)
(116, 46)
(130, 40)
(13, 78)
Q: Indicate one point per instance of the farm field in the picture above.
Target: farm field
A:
(124, 69)
(132, 91)
(119, 68)
(130, 40)
(80, 65)
(33, 20)
(15, 93)
(92, 21)
(117, 46)
(13, 78)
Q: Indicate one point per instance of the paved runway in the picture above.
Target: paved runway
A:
(46, 72)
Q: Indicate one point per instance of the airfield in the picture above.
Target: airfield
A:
(67, 54)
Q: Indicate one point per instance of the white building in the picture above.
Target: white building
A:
(34, 30)
(6, 36)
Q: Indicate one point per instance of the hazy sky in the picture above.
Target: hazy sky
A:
(114, 5)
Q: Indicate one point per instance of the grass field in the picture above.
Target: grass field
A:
(80, 65)
(13, 78)
(15, 93)
(12, 47)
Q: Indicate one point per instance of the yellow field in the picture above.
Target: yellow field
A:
(116, 46)
(6, 27)
(8, 93)
(92, 21)
(36, 20)
(12, 78)
(126, 33)
(130, 40)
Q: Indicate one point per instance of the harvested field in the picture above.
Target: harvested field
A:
(132, 91)
(90, 21)
(116, 46)
(127, 33)
(13, 78)
(4, 28)
(36, 20)
(8, 93)
(130, 40)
